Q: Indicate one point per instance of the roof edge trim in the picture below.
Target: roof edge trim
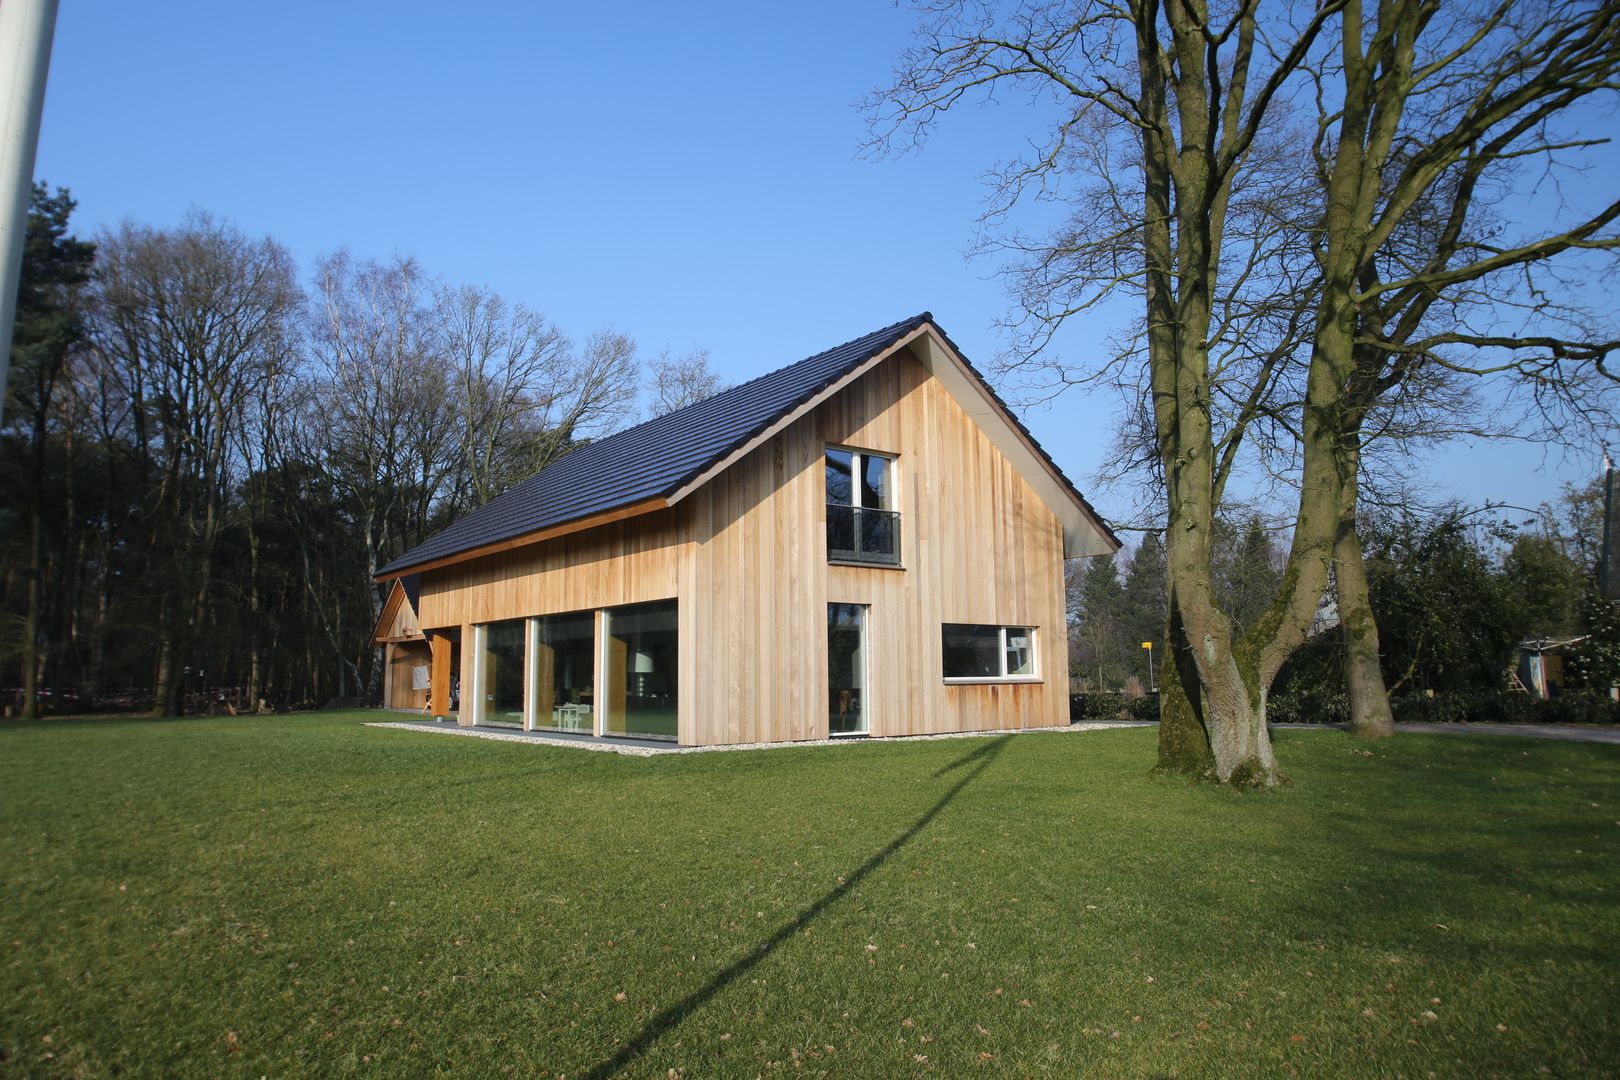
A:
(607, 517)
(396, 596)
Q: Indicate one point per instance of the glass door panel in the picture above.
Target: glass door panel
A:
(642, 653)
(846, 669)
(565, 673)
(500, 683)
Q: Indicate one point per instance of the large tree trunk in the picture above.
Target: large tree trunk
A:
(165, 687)
(1370, 716)
(33, 620)
(1212, 707)
(255, 621)
(1183, 737)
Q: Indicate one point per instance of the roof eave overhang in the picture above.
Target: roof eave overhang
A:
(645, 506)
(396, 597)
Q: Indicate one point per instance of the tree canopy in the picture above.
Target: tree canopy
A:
(1298, 201)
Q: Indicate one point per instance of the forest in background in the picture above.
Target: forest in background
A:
(209, 453)
(212, 454)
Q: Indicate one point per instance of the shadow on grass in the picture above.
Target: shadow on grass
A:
(665, 1021)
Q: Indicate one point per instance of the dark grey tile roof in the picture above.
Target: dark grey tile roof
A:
(654, 459)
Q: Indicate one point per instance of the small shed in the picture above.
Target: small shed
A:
(407, 658)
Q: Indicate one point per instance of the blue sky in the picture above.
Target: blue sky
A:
(685, 173)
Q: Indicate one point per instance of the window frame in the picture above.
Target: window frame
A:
(476, 675)
(858, 458)
(1002, 630)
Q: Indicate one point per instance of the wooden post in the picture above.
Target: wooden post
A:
(439, 694)
(388, 675)
(467, 671)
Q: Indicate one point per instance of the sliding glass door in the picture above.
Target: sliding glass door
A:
(550, 664)
(565, 672)
(500, 680)
(639, 670)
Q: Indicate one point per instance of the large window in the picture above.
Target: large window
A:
(565, 672)
(862, 523)
(846, 669)
(500, 676)
(639, 687)
(977, 653)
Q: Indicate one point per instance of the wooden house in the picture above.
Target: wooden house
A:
(866, 542)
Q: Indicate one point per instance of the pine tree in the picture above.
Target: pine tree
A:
(1098, 647)
(1145, 608)
(49, 324)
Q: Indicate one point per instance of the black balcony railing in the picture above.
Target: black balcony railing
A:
(862, 534)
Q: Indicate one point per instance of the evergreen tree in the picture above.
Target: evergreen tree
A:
(49, 324)
(1143, 611)
(1446, 617)
(1247, 568)
(1546, 585)
(1098, 649)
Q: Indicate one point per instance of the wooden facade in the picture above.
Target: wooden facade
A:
(744, 555)
(405, 652)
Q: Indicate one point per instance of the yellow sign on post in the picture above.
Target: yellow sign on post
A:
(1147, 645)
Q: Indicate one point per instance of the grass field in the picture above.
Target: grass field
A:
(312, 897)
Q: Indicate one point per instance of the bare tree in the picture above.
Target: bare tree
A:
(522, 394)
(196, 320)
(382, 423)
(679, 381)
(505, 361)
(1166, 119)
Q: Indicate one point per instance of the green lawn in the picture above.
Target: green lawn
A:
(309, 896)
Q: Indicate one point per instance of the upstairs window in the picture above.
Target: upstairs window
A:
(862, 525)
(977, 653)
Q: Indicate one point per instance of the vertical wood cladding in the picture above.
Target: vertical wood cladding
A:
(977, 546)
(745, 555)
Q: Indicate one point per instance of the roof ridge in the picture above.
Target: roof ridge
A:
(917, 319)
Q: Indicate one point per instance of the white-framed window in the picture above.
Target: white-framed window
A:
(863, 524)
(974, 652)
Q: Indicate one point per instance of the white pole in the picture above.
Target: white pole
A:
(26, 29)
